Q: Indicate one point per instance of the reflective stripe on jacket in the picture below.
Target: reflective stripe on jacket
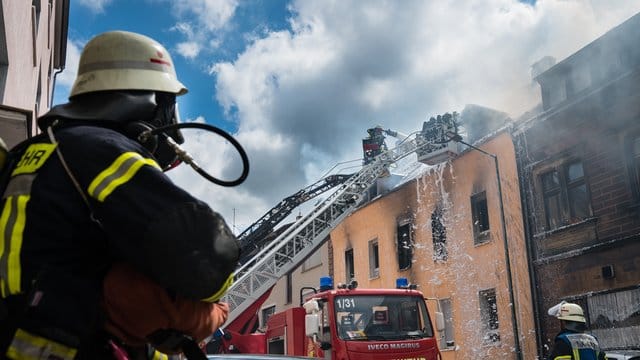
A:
(583, 346)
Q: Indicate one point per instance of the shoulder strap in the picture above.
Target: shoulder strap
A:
(11, 157)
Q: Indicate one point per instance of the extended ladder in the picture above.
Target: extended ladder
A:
(292, 246)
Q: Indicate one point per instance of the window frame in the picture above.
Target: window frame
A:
(265, 313)
(374, 259)
(447, 337)
(439, 235)
(404, 253)
(564, 202)
(480, 236)
(349, 265)
(312, 261)
(489, 317)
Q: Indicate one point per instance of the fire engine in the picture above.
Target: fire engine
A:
(341, 323)
(346, 323)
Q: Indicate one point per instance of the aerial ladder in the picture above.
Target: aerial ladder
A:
(254, 237)
(258, 274)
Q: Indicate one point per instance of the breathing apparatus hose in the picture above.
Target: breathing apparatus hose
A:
(187, 158)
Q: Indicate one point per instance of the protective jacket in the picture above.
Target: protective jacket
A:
(63, 223)
(576, 346)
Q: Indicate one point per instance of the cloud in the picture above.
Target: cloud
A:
(201, 22)
(188, 49)
(303, 98)
(96, 6)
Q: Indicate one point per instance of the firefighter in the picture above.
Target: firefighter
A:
(572, 342)
(88, 215)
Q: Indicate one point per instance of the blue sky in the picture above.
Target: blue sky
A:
(157, 20)
(298, 82)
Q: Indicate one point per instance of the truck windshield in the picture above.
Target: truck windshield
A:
(369, 317)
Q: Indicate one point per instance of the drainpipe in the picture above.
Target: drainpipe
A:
(53, 85)
(529, 242)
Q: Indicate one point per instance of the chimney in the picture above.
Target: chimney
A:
(541, 66)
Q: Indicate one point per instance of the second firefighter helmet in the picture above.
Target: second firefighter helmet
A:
(122, 60)
(568, 312)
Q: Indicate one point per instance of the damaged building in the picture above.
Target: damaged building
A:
(579, 166)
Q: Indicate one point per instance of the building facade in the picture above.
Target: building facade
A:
(579, 165)
(33, 41)
(444, 232)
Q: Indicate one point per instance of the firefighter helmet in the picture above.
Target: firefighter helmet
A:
(121, 60)
(571, 312)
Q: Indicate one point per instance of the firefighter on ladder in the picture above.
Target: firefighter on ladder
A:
(100, 253)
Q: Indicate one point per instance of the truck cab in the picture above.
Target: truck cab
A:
(352, 323)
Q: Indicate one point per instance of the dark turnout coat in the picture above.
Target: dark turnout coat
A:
(56, 247)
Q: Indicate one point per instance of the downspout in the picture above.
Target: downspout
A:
(53, 85)
(519, 145)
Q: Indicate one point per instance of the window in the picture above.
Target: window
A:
(266, 314)
(489, 316)
(565, 197)
(557, 91)
(289, 294)
(614, 313)
(405, 246)
(480, 218)
(446, 337)
(14, 126)
(580, 78)
(439, 235)
(349, 269)
(374, 259)
(633, 161)
(314, 260)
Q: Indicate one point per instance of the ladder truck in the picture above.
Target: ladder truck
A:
(331, 323)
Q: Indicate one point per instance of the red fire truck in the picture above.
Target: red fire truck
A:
(346, 323)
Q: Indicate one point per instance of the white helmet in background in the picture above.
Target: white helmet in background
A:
(568, 311)
(121, 60)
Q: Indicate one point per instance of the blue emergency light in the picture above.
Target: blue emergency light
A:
(326, 283)
(402, 283)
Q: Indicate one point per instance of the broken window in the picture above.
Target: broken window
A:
(614, 313)
(438, 235)
(565, 196)
(489, 316)
(349, 266)
(446, 337)
(405, 246)
(374, 259)
(480, 218)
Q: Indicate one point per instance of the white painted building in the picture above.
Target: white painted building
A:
(33, 42)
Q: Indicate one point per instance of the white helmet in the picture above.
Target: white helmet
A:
(121, 60)
(568, 311)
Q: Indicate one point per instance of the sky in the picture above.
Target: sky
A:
(298, 83)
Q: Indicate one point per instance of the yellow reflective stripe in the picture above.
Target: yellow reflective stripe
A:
(215, 297)
(118, 173)
(4, 243)
(562, 357)
(32, 347)
(12, 220)
(157, 355)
